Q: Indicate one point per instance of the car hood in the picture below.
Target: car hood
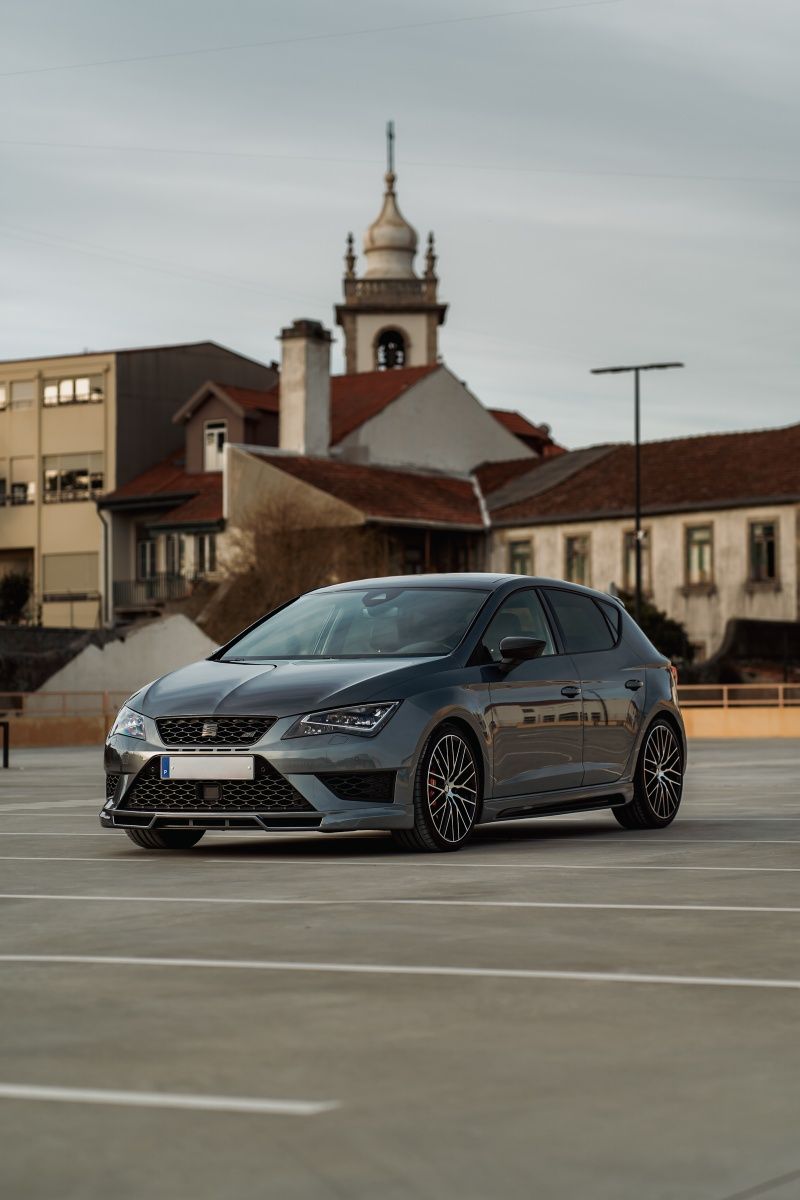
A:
(278, 689)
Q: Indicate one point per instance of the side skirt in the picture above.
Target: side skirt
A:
(515, 808)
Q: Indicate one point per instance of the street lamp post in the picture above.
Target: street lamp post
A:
(664, 366)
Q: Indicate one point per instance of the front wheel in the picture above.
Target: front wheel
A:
(165, 839)
(447, 794)
(658, 781)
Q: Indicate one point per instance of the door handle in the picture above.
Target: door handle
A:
(633, 685)
(571, 691)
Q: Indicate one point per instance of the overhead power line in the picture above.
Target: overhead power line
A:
(309, 37)
(195, 152)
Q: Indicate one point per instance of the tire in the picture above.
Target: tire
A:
(447, 794)
(657, 781)
(165, 839)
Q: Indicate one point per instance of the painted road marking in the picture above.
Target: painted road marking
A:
(236, 1104)
(519, 973)
(382, 863)
(289, 902)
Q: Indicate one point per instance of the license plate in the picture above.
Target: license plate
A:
(207, 766)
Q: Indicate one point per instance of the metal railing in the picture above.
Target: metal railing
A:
(158, 589)
(739, 695)
(14, 705)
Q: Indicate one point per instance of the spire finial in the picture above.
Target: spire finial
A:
(350, 257)
(390, 147)
(430, 258)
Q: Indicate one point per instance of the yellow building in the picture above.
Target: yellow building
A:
(74, 427)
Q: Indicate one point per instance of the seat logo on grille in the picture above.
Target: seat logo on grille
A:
(209, 729)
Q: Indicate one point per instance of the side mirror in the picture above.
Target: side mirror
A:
(521, 649)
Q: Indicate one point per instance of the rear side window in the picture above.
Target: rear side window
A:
(584, 626)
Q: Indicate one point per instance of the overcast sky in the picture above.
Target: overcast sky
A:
(608, 182)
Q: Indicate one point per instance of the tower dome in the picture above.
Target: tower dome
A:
(390, 243)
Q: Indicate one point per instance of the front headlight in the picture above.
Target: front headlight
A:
(128, 723)
(362, 719)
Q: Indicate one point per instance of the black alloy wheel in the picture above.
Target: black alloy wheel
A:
(165, 839)
(447, 794)
(658, 781)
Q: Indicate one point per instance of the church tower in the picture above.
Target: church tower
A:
(390, 316)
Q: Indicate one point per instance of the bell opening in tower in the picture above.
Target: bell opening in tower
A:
(390, 350)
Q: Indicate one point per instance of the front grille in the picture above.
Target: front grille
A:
(111, 785)
(212, 731)
(268, 792)
(361, 785)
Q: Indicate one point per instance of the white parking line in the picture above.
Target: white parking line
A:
(236, 1104)
(621, 839)
(382, 863)
(233, 964)
(412, 902)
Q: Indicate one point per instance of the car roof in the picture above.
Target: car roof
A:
(485, 580)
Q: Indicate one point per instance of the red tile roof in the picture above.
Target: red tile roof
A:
(683, 474)
(492, 475)
(167, 477)
(204, 507)
(515, 423)
(198, 497)
(354, 398)
(383, 492)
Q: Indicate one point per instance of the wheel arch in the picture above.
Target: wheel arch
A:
(470, 735)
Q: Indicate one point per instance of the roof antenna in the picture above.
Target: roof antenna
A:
(390, 147)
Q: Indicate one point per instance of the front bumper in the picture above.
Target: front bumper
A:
(298, 765)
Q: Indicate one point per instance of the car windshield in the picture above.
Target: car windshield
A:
(363, 623)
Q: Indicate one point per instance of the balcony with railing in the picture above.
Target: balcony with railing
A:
(154, 591)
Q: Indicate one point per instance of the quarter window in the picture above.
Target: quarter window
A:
(699, 555)
(72, 477)
(522, 615)
(520, 558)
(577, 550)
(763, 551)
(582, 623)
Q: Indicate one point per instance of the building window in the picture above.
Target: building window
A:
(83, 389)
(763, 551)
(206, 553)
(216, 434)
(23, 480)
(390, 350)
(699, 555)
(176, 553)
(69, 576)
(22, 393)
(72, 477)
(520, 558)
(3, 396)
(629, 561)
(146, 559)
(577, 565)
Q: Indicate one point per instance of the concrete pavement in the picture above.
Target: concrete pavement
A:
(361, 1002)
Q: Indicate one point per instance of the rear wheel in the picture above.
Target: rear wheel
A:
(447, 794)
(165, 839)
(658, 781)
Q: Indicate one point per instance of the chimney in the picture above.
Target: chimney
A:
(305, 388)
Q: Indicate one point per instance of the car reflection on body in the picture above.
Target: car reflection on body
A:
(421, 705)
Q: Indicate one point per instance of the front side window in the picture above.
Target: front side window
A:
(763, 551)
(581, 620)
(699, 555)
(520, 558)
(521, 615)
(392, 622)
(22, 393)
(216, 434)
(72, 477)
(577, 567)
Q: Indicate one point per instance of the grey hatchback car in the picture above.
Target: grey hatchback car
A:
(422, 705)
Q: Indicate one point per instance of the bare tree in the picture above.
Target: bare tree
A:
(279, 550)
